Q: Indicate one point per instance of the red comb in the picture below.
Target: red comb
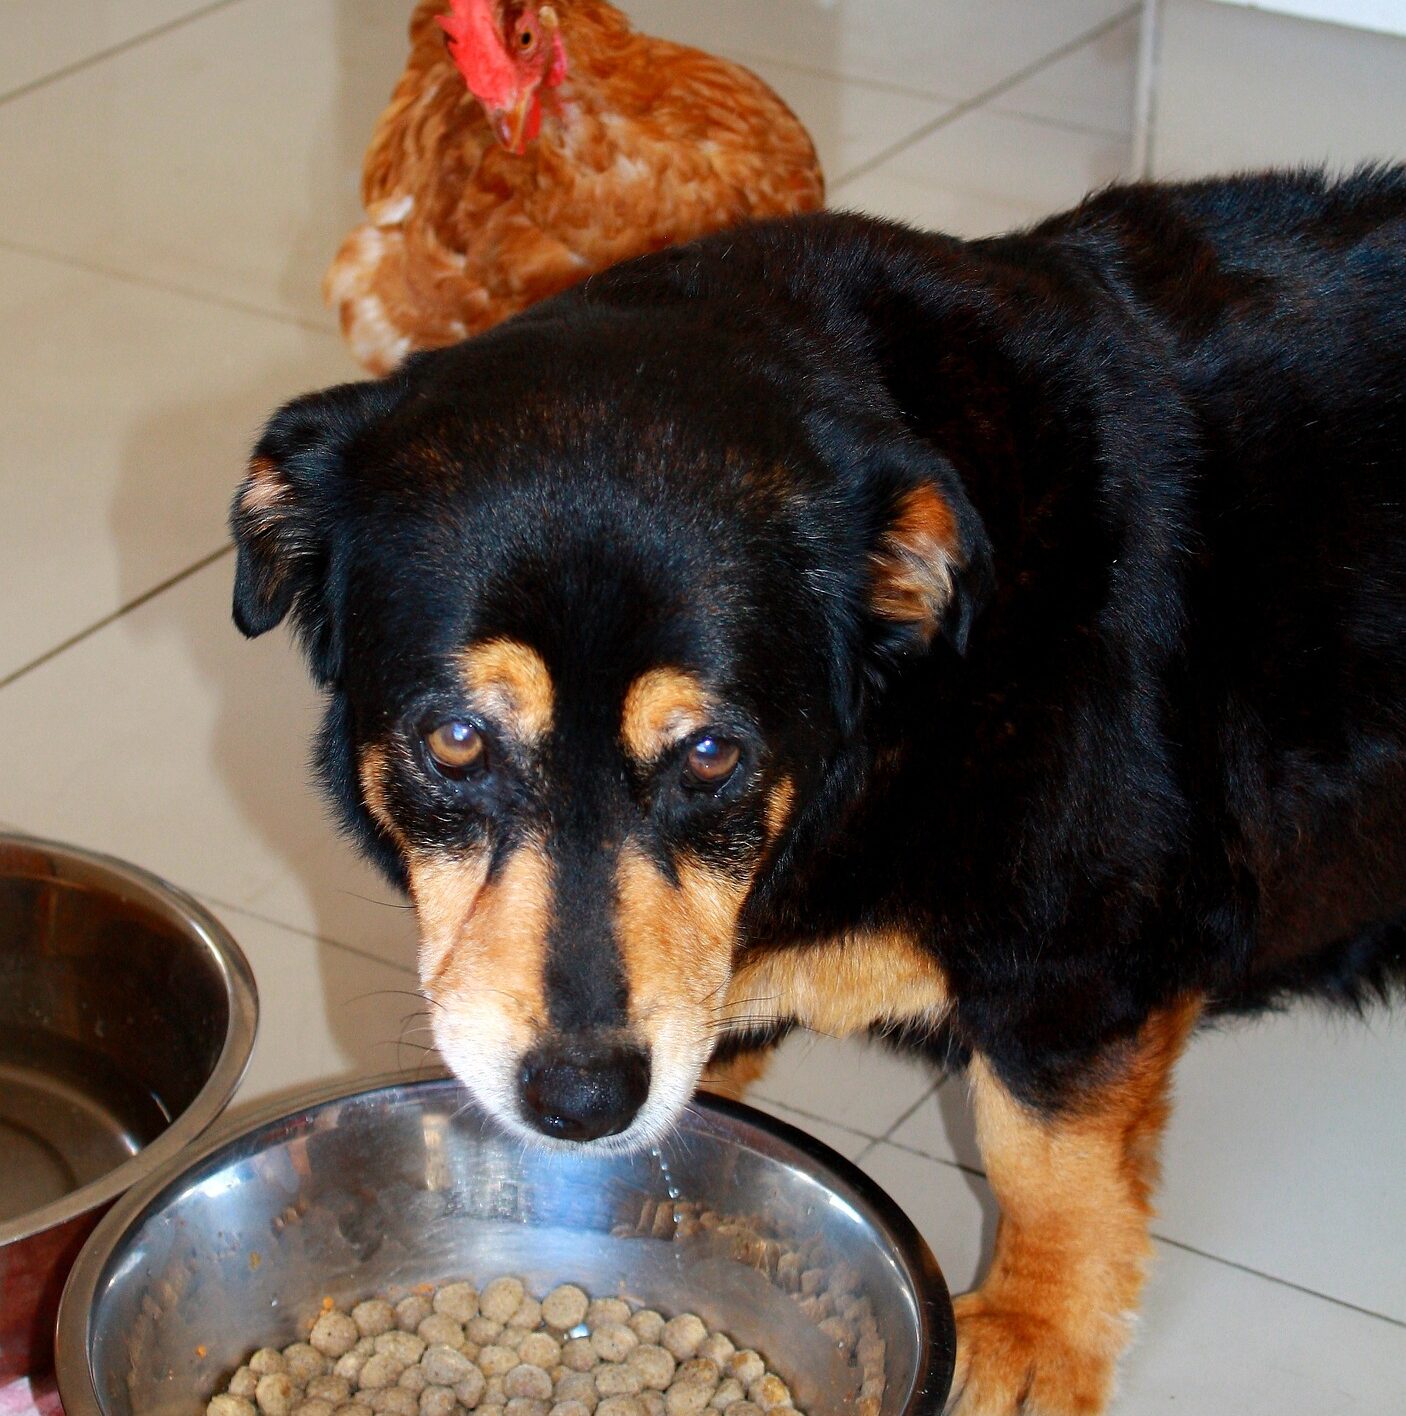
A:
(478, 52)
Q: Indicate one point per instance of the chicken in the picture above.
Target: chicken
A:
(527, 146)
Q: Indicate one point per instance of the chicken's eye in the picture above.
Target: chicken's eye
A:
(526, 38)
(711, 762)
(456, 749)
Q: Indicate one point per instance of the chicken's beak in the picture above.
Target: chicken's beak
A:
(510, 124)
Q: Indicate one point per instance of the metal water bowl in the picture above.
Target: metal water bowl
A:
(127, 1017)
(372, 1191)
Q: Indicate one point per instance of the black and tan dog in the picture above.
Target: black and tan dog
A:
(999, 644)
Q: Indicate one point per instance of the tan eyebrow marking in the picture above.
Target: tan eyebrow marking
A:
(509, 681)
(662, 706)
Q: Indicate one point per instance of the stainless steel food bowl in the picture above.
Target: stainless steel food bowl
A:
(126, 1021)
(356, 1192)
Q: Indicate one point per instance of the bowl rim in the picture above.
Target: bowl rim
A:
(78, 866)
(936, 1340)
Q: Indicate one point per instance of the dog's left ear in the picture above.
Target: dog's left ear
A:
(930, 562)
(286, 514)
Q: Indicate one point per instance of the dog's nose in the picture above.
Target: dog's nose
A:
(583, 1090)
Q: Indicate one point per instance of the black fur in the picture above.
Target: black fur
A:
(1161, 747)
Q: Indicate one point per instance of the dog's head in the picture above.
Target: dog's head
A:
(598, 603)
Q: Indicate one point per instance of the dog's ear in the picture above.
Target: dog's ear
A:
(286, 512)
(930, 568)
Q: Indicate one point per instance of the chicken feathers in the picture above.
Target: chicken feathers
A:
(643, 144)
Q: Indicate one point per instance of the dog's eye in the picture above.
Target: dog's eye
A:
(710, 762)
(456, 749)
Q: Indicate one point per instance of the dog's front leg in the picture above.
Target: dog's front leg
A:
(1043, 1333)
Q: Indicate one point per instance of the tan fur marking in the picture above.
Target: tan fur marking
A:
(841, 986)
(912, 569)
(373, 770)
(1045, 1329)
(483, 945)
(662, 706)
(732, 1079)
(676, 945)
(509, 682)
(778, 807)
(264, 487)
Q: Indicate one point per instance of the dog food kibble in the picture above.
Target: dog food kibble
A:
(563, 1308)
(230, 1406)
(769, 1392)
(499, 1351)
(684, 1335)
(440, 1330)
(438, 1401)
(729, 1392)
(614, 1342)
(245, 1382)
(647, 1325)
(373, 1317)
(655, 1365)
(497, 1360)
(746, 1366)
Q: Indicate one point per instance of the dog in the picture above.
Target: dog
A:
(997, 645)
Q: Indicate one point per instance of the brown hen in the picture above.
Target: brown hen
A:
(582, 142)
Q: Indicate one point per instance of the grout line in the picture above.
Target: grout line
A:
(166, 287)
(823, 1120)
(995, 91)
(117, 614)
(1282, 1282)
(1064, 125)
(748, 60)
(926, 1096)
(978, 1174)
(111, 52)
(307, 934)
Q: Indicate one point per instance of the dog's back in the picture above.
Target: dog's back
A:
(1280, 301)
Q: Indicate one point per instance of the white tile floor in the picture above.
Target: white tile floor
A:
(173, 176)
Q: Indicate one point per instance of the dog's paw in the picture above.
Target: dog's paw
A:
(1014, 1363)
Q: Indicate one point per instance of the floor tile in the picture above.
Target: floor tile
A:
(125, 425)
(167, 739)
(1091, 88)
(848, 1143)
(856, 1084)
(1302, 1105)
(954, 1211)
(41, 38)
(1242, 88)
(955, 49)
(325, 1013)
(1215, 1341)
(1287, 1153)
(224, 157)
(1211, 1339)
(849, 122)
(986, 172)
(942, 1126)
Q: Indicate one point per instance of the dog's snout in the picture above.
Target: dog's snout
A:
(583, 1090)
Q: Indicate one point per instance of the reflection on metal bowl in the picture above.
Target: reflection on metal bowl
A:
(127, 1018)
(361, 1192)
